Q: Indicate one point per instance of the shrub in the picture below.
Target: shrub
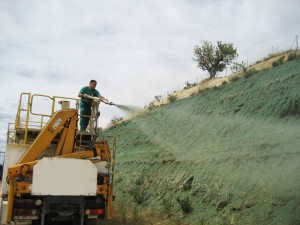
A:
(151, 106)
(250, 72)
(292, 109)
(234, 78)
(157, 98)
(278, 62)
(172, 98)
(237, 66)
(114, 121)
(202, 90)
(275, 63)
(189, 85)
(292, 56)
(140, 181)
(138, 194)
(224, 82)
(281, 60)
(185, 204)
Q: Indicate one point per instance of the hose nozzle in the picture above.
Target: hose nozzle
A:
(108, 102)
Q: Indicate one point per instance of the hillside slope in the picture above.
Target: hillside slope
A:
(229, 155)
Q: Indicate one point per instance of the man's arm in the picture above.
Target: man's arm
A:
(81, 93)
(84, 95)
(102, 98)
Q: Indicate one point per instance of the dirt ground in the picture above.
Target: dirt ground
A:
(228, 155)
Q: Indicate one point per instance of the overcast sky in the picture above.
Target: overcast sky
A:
(135, 49)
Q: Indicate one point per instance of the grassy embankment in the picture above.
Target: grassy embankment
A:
(227, 155)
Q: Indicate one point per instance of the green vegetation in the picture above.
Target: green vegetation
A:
(172, 97)
(189, 85)
(152, 104)
(234, 78)
(202, 90)
(248, 72)
(293, 56)
(236, 67)
(114, 121)
(184, 203)
(138, 194)
(273, 55)
(278, 62)
(224, 156)
(212, 58)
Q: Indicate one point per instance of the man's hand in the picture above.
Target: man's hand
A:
(85, 96)
(102, 98)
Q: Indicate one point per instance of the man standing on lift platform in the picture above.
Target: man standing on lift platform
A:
(86, 103)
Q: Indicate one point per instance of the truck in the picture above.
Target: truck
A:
(52, 172)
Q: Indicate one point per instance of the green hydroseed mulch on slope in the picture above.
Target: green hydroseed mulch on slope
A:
(238, 145)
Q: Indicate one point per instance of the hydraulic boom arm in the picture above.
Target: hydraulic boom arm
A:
(67, 118)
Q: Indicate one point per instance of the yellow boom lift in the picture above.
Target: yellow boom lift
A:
(54, 173)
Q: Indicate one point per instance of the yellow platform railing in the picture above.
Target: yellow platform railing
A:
(25, 112)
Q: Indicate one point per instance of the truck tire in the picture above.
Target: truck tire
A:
(90, 222)
(36, 222)
(76, 220)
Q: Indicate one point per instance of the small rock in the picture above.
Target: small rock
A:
(237, 208)
(221, 205)
(187, 184)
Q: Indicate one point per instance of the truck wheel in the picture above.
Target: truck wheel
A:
(76, 220)
(36, 222)
(90, 222)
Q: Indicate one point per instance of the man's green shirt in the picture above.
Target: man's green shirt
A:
(86, 90)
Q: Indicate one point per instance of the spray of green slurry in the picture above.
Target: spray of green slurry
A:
(127, 108)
